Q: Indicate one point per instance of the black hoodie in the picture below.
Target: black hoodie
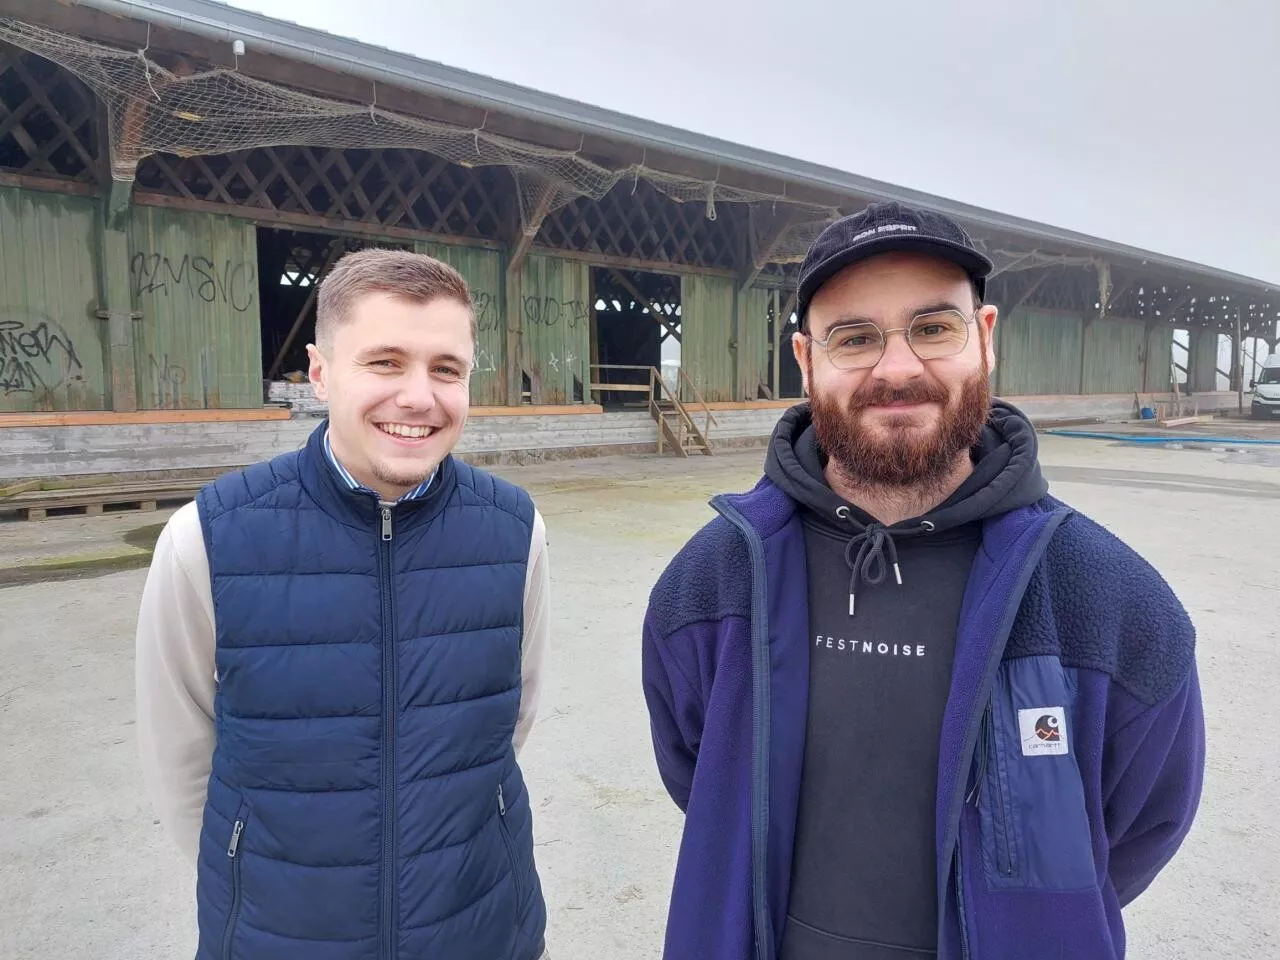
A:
(883, 607)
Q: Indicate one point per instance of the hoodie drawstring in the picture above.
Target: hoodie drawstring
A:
(868, 563)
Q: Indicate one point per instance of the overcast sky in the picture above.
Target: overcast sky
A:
(1149, 122)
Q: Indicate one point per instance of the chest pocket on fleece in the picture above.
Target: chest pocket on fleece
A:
(1034, 827)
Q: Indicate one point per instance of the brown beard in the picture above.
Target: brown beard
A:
(909, 458)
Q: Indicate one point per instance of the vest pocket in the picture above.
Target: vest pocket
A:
(509, 842)
(234, 854)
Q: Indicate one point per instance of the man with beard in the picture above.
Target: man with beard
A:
(911, 705)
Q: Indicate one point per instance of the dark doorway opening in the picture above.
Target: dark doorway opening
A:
(787, 383)
(635, 327)
(291, 264)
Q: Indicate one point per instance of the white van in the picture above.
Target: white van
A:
(1266, 389)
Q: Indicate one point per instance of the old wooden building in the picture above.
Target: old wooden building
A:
(168, 204)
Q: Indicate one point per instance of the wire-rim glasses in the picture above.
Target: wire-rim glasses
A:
(935, 335)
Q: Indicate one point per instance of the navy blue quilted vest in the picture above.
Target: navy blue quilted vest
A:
(365, 802)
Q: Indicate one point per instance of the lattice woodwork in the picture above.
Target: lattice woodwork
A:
(662, 292)
(1065, 288)
(780, 274)
(393, 188)
(1136, 297)
(48, 119)
(306, 259)
(633, 221)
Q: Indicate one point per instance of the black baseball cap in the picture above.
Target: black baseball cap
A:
(887, 228)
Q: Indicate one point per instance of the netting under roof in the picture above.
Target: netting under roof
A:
(152, 109)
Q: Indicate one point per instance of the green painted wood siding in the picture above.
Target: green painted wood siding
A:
(1113, 352)
(753, 343)
(1160, 358)
(706, 328)
(1204, 360)
(483, 271)
(1038, 353)
(555, 308)
(194, 279)
(50, 337)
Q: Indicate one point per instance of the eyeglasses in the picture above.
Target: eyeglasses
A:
(931, 336)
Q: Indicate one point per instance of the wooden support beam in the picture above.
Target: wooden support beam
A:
(776, 227)
(644, 301)
(593, 335)
(541, 207)
(331, 255)
(1085, 327)
(787, 309)
(1238, 363)
(514, 390)
(1028, 293)
(775, 345)
(781, 318)
(116, 306)
(1114, 297)
(1104, 287)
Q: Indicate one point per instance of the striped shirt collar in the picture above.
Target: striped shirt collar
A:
(352, 483)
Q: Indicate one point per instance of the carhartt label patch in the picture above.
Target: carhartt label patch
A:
(1043, 731)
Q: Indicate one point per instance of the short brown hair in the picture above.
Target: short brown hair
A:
(414, 277)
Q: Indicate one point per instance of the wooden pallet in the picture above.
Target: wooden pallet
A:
(94, 501)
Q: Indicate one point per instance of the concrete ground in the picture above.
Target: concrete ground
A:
(86, 871)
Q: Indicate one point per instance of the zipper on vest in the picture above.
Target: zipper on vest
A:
(509, 842)
(389, 683)
(233, 912)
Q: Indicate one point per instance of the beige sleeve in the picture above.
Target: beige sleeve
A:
(536, 643)
(174, 677)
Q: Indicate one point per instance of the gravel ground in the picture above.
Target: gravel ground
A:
(86, 871)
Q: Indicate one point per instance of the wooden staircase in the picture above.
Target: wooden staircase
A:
(677, 428)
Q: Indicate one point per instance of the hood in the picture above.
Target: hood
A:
(1006, 475)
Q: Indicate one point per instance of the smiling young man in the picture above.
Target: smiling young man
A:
(911, 705)
(339, 655)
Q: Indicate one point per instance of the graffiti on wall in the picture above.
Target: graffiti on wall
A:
(233, 282)
(548, 312)
(36, 354)
(488, 316)
(169, 378)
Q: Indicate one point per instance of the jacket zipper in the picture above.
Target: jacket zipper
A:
(981, 775)
(511, 851)
(388, 737)
(964, 921)
(760, 726)
(1004, 841)
(1001, 828)
(233, 915)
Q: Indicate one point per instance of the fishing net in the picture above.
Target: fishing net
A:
(187, 112)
